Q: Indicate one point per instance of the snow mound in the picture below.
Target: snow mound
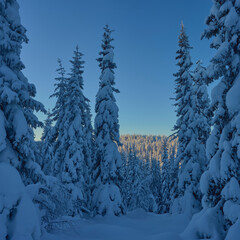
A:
(18, 217)
(204, 225)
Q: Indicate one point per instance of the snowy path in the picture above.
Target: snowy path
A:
(135, 226)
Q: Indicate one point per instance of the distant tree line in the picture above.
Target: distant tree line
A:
(147, 146)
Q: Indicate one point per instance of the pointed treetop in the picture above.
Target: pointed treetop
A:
(77, 66)
(61, 69)
(183, 38)
(107, 29)
(182, 25)
(59, 62)
(107, 39)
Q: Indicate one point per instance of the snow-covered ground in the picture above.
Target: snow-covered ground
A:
(137, 225)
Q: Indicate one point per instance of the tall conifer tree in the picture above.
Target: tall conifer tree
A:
(107, 199)
(71, 145)
(184, 82)
(193, 128)
(57, 116)
(220, 182)
(17, 118)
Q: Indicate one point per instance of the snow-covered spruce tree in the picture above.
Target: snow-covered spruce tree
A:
(17, 146)
(145, 197)
(107, 199)
(87, 134)
(202, 102)
(17, 119)
(202, 115)
(139, 183)
(57, 115)
(127, 178)
(185, 199)
(70, 144)
(174, 168)
(198, 130)
(124, 183)
(220, 182)
(165, 180)
(53, 197)
(183, 84)
(133, 180)
(47, 146)
(59, 91)
(156, 186)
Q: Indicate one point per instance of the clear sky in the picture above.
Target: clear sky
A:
(146, 34)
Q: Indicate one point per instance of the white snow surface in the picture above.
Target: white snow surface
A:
(138, 225)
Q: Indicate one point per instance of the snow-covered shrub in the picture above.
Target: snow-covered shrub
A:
(53, 200)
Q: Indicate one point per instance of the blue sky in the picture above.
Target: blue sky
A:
(146, 34)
